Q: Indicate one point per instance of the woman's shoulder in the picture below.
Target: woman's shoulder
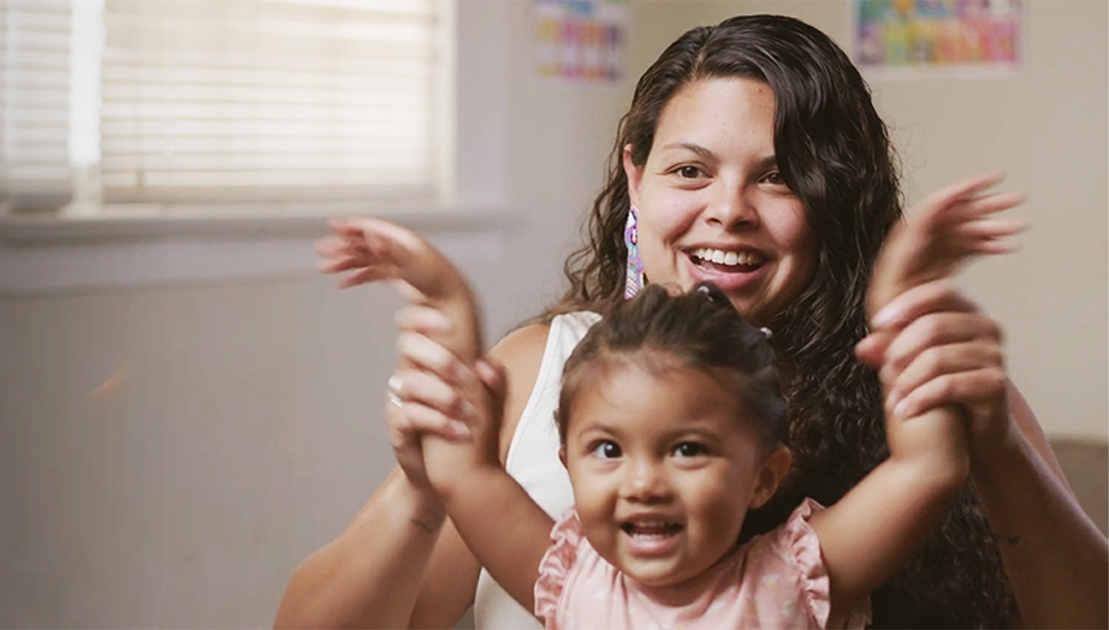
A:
(521, 353)
(523, 347)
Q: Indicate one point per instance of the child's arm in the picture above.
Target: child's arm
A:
(503, 527)
(877, 526)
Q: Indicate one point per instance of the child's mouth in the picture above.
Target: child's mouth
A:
(651, 529)
(651, 538)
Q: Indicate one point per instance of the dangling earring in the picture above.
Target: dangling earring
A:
(634, 275)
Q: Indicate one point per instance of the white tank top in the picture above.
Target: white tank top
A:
(533, 461)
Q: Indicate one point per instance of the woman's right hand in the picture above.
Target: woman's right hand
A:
(425, 393)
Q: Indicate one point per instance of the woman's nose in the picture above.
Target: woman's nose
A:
(732, 206)
(645, 481)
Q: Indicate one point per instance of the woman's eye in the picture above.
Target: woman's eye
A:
(688, 172)
(606, 449)
(775, 178)
(689, 449)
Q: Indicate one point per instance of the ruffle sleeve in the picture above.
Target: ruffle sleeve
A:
(566, 537)
(801, 541)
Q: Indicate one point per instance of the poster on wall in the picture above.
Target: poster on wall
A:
(944, 38)
(580, 42)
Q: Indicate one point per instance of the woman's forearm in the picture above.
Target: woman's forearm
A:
(1056, 559)
(370, 575)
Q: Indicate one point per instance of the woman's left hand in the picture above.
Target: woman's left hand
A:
(934, 347)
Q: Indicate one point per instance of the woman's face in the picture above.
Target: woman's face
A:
(712, 203)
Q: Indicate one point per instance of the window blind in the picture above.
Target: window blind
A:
(34, 103)
(232, 100)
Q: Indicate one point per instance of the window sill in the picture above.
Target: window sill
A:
(51, 253)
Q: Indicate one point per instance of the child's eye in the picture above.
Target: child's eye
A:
(689, 449)
(606, 449)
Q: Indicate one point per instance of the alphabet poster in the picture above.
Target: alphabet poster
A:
(937, 37)
(580, 42)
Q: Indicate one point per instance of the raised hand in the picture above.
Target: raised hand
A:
(944, 231)
(366, 250)
(932, 344)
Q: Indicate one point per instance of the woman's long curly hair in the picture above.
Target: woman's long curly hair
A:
(834, 153)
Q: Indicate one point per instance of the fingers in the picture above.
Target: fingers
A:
(939, 330)
(430, 391)
(964, 189)
(973, 389)
(422, 403)
(939, 361)
(419, 351)
(422, 420)
(364, 246)
(492, 375)
(930, 297)
(424, 320)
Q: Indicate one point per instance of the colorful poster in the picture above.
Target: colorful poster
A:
(580, 41)
(946, 37)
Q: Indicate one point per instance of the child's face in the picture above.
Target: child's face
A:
(663, 470)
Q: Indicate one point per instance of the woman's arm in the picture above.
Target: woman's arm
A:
(369, 575)
(399, 564)
(944, 351)
(1056, 559)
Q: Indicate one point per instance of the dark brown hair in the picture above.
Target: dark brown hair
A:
(834, 153)
(701, 330)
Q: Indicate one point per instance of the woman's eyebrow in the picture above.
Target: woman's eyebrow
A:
(763, 163)
(696, 148)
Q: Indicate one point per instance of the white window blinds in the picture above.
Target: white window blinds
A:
(34, 103)
(193, 101)
(207, 100)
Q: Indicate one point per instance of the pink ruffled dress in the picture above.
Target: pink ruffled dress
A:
(776, 580)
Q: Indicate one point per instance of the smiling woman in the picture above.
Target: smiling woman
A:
(712, 194)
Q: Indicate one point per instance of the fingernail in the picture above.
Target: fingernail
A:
(885, 316)
(458, 428)
(466, 410)
(901, 409)
(459, 372)
(437, 322)
(892, 399)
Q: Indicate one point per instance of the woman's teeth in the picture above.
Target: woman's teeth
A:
(721, 257)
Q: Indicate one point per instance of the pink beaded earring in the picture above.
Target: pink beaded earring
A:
(634, 275)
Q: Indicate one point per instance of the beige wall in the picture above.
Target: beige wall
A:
(246, 429)
(1048, 131)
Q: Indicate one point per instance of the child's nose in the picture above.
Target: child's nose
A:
(645, 481)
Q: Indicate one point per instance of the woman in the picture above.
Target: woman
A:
(754, 158)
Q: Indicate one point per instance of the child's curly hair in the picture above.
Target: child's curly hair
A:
(700, 329)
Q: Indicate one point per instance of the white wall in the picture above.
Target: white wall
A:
(246, 429)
